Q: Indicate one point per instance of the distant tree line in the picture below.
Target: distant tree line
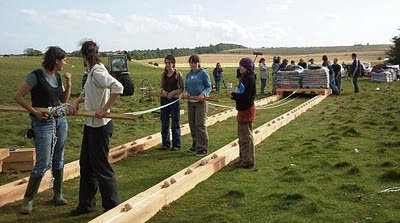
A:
(160, 53)
(394, 51)
(32, 52)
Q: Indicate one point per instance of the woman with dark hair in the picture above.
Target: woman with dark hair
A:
(197, 84)
(218, 76)
(50, 132)
(244, 98)
(276, 64)
(171, 87)
(263, 74)
(100, 92)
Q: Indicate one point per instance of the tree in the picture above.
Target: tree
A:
(32, 52)
(394, 52)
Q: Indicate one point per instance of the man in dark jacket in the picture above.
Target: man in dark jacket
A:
(355, 71)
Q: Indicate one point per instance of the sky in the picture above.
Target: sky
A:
(150, 24)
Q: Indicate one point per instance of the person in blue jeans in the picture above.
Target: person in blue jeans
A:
(332, 82)
(218, 76)
(50, 132)
(171, 88)
(355, 71)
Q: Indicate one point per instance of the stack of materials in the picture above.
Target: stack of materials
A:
(288, 79)
(383, 76)
(315, 77)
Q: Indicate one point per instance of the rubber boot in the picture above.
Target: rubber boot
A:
(31, 191)
(57, 187)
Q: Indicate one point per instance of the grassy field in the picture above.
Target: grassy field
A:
(309, 171)
(232, 60)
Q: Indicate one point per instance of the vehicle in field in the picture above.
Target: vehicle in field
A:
(118, 68)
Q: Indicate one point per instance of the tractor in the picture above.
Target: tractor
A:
(118, 68)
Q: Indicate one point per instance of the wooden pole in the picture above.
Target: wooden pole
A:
(186, 98)
(145, 205)
(6, 108)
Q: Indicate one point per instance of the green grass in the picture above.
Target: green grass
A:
(308, 171)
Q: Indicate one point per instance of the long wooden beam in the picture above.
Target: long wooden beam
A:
(143, 206)
(6, 108)
(14, 191)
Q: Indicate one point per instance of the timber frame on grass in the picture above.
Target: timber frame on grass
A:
(323, 91)
(14, 191)
(144, 205)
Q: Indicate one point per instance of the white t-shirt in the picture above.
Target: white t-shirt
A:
(97, 89)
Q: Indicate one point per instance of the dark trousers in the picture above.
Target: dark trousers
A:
(96, 171)
(173, 112)
(355, 83)
(332, 84)
(338, 81)
(197, 114)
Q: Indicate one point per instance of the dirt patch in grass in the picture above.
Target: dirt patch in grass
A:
(353, 171)
(350, 132)
(341, 165)
(391, 175)
(387, 164)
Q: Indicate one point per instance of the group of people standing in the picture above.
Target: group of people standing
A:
(196, 89)
(335, 71)
(101, 90)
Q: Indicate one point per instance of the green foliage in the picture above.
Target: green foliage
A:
(310, 50)
(157, 53)
(394, 51)
(32, 52)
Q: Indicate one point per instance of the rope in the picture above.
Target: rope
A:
(222, 106)
(392, 189)
(277, 106)
(152, 109)
(263, 107)
(278, 102)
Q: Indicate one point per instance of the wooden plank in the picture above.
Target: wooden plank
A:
(4, 153)
(1, 166)
(143, 206)
(6, 108)
(323, 91)
(20, 166)
(14, 191)
(21, 155)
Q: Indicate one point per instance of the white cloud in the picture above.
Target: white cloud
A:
(223, 30)
(197, 8)
(83, 15)
(34, 16)
(277, 5)
(332, 17)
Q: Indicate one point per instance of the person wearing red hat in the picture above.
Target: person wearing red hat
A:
(246, 113)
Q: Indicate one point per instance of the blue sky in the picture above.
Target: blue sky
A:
(150, 24)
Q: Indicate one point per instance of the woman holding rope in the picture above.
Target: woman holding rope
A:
(197, 84)
(50, 132)
(171, 87)
(244, 98)
(100, 92)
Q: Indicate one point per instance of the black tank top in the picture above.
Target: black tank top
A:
(43, 95)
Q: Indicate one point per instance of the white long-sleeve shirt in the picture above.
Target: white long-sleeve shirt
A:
(97, 89)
